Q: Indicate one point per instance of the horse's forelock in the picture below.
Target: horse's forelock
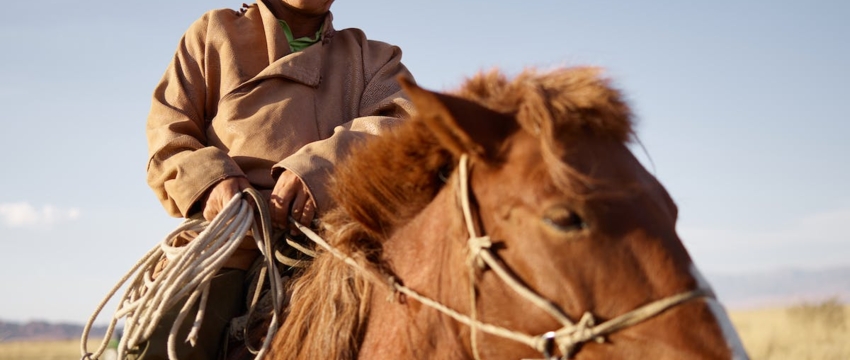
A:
(575, 101)
(557, 106)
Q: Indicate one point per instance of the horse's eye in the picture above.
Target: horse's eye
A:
(563, 219)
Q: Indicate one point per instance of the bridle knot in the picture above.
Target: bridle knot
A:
(569, 337)
(477, 244)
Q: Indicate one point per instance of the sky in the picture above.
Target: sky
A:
(741, 109)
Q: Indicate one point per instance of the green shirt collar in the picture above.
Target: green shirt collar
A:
(301, 43)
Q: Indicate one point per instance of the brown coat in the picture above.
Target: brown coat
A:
(236, 102)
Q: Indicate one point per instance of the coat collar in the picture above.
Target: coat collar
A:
(304, 66)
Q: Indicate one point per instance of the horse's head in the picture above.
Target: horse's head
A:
(571, 215)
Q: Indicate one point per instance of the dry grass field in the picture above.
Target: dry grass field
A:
(41, 350)
(817, 331)
(44, 350)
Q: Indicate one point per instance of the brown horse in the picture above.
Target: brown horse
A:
(562, 236)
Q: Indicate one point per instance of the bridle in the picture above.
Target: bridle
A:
(566, 339)
(570, 335)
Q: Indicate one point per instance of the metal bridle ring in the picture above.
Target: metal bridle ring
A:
(549, 346)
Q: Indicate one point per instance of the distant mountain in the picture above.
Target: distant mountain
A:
(782, 287)
(42, 330)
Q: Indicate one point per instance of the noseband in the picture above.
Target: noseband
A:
(567, 339)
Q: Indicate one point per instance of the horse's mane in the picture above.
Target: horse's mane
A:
(391, 178)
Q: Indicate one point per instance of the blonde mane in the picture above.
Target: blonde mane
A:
(389, 179)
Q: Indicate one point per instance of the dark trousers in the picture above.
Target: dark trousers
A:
(226, 301)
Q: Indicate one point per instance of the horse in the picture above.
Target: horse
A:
(505, 220)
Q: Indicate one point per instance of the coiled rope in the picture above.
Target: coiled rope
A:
(187, 274)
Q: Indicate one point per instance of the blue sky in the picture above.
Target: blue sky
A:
(741, 107)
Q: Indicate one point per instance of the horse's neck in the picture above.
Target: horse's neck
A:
(426, 255)
(429, 244)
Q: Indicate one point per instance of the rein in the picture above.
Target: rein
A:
(567, 338)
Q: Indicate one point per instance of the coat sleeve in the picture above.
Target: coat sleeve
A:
(181, 166)
(382, 105)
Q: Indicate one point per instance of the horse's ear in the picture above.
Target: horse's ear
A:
(462, 126)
